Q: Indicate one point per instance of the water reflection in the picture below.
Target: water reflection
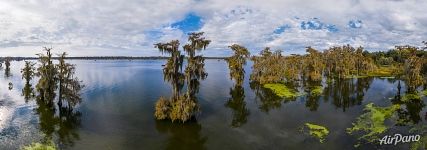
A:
(312, 99)
(60, 122)
(238, 105)
(347, 92)
(182, 136)
(409, 112)
(268, 99)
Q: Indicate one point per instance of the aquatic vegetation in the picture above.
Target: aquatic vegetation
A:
(40, 146)
(422, 143)
(163, 108)
(317, 131)
(384, 71)
(371, 122)
(316, 91)
(282, 90)
(424, 92)
(181, 109)
(411, 96)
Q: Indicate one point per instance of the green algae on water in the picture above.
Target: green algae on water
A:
(410, 96)
(422, 143)
(282, 90)
(424, 92)
(371, 122)
(40, 146)
(317, 131)
(316, 91)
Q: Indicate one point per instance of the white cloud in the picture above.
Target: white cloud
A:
(110, 27)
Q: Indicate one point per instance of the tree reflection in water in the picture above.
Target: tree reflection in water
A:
(346, 93)
(237, 73)
(312, 99)
(182, 136)
(238, 105)
(269, 100)
(409, 112)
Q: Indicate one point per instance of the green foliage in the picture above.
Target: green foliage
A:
(270, 67)
(384, 71)
(48, 77)
(371, 122)
(237, 62)
(28, 71)
(317, 131)
(412, 69)
(182, 107)
(69, 86)
(40, 146)
(316, 91)
(314, 64)
(163, 108)
(424, 92)
(282, 90)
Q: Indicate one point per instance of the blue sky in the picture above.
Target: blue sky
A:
(130, 28)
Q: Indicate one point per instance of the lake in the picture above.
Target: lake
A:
(117, 112)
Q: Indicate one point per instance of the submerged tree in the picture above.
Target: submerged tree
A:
(69, 86)
(237, 62)
(48, 77)
(7, 65)
(28, 73)
(61, 120)
(314, 64)
(182, 107)
(268, 67)
(237, 73)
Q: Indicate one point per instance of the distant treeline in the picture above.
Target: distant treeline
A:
(101, 58)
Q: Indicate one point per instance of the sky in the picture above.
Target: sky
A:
(131, 27)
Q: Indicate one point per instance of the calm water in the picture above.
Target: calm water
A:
(118, 107)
